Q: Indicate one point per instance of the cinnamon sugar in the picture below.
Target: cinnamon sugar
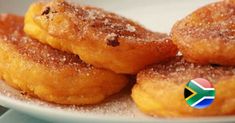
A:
(88, 18)
(205, 24)
(178, 70)
(33, 50)
(120, 105)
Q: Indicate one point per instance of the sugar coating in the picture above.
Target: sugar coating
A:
(178, 70)
(207, 36)
(34, 50)
(120, 105)
(99, 20)
(213, 22)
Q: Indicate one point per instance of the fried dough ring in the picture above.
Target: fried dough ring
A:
(207, 36)
(100, 38)
(50, 74)
(160, 89)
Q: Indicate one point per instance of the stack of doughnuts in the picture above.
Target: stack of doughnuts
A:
(50, 74)
(71, 54)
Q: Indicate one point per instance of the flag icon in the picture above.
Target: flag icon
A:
(199, 93)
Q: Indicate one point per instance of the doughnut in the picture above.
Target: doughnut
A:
(100, 38)
(49, 74)
(207, 36)
(160, 89)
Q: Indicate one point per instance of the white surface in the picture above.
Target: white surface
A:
(157, 15)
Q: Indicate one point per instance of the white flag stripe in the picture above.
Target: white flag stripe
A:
(206, 97)
(194, 82)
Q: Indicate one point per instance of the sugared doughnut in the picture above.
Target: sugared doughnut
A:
(50, 74)
(100, 38)
(207, 36)
(160, 89)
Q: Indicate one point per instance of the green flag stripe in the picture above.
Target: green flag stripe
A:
(198, 90)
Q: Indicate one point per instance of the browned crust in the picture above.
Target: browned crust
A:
(100, 38)
(86, 19)
(178, 70)
(50, 74)
(12, 34)
(207, 36)
(214, 21)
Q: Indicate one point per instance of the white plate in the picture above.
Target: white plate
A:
(157, 15)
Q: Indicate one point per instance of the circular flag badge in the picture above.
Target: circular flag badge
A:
(199, 93)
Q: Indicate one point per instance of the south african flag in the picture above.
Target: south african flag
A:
(199, 93)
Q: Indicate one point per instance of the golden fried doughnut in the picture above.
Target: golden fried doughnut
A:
(207, 36)
(160, 89)
(102, 39)
(50, 74)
